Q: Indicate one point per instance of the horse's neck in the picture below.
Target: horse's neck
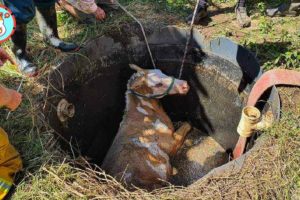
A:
(133, 101)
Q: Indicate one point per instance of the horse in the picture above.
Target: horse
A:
(140, 153)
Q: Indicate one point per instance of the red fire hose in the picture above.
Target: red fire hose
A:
(267, 80)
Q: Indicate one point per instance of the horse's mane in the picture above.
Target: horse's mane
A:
(134, 77)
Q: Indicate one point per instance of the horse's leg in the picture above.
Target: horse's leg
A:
(179, 136)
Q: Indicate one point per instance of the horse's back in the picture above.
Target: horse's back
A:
(135, 162)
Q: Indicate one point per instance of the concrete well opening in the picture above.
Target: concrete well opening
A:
(220, 73)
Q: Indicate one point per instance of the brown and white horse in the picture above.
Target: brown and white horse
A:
(146, 138)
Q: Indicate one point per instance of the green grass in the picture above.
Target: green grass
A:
(49, 175)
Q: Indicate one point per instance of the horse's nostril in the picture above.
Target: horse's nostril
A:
(185, 86)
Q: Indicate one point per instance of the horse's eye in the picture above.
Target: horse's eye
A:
(159, 85)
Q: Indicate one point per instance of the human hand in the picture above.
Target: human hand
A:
(9, 98)
(4, 57)
(16, 99)
(100, 14)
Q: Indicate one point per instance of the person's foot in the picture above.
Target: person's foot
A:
(19, 40)
(61, 45)
(26, 66)
(200, 14)
(47, 22)
(284, 9)
(242, 17)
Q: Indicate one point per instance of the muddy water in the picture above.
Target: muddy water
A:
(213, 107)
(213, 104)
(198, 155)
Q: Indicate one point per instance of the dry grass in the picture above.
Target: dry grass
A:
(272, 172)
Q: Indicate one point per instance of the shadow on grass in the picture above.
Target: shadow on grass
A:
(269, 52)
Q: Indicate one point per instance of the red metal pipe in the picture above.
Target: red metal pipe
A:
(267, 80)
(271, 78)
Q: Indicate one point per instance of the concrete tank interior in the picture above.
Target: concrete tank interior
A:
(220, 73)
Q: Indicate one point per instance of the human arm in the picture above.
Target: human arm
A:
(88, 7)
(8, 98)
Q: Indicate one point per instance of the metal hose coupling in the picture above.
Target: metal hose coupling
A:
(65, 110)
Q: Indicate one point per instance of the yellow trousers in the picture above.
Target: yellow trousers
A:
(10, 163)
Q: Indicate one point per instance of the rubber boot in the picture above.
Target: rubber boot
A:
(47, 22)
(242, 17)
(291, 8)
(200, 13)
(19, 39)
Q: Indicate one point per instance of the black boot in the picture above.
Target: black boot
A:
(47, 22)
(107, 3)
(19, 40)
(200, 13)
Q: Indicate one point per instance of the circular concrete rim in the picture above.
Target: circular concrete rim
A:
(215, 47)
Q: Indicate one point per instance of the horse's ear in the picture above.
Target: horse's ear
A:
(136, 68)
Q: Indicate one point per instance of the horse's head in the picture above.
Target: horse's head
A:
(155, 84)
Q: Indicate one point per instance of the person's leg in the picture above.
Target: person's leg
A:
(290, 8)
(200, 13)
(24, 12)
(19, 40)
(241, 14)
(81, 16)
(46, 18)
(241, 3)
